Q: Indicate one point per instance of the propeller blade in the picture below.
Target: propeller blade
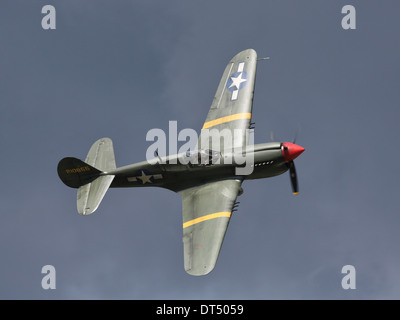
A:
(293, 177)
(295, 135)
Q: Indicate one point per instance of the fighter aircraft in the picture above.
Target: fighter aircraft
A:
(209, 180)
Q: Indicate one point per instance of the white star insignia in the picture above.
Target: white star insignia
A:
(236, 81)
(145, 178)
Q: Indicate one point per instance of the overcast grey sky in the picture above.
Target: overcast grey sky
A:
(120, 68)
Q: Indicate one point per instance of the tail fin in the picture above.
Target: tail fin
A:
(75, 173)
(90, 177)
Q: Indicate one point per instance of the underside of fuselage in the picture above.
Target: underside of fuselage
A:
(262, 161)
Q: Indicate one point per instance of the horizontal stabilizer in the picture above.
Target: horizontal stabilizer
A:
(90, 195)
(101, 155)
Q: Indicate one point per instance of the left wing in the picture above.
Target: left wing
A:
(206, 213)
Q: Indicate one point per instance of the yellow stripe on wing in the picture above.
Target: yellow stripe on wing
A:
(232, 117)
(206, 217)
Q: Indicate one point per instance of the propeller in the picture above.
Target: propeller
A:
(295, 135)
(293, 177)
(291, 151)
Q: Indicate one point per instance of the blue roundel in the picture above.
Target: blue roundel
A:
(237, 81)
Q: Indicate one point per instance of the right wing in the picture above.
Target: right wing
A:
(233, 102)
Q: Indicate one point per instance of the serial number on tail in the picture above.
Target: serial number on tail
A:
(77, 170)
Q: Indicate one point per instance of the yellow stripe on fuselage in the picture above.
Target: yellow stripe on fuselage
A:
(206, 217)
(232, 117)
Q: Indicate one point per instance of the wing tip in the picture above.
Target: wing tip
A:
(200, 271)
(250, 53)
(86, 211)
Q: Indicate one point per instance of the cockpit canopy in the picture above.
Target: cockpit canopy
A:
(203, 157)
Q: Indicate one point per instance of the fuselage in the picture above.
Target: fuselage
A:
(178, 172)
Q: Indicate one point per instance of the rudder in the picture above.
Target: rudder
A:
(75, 173)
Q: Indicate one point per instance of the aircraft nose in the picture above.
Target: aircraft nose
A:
(291, 151)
